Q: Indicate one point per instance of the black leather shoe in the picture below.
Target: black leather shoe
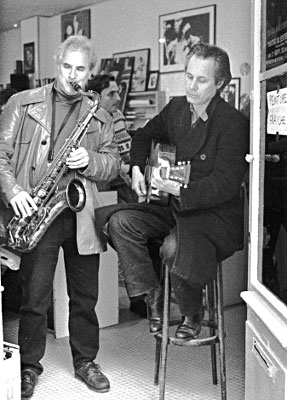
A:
(191, 327)
(154, 300)
(29, 380)
(92, 375)
(139, 307)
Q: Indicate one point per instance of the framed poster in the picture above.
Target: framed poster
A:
(29, 58)
(106, 66)
(77, 23)
(122, 69)
(140, 70)
(179, 31)
(276, 33)
(231, 93)
(153, 80)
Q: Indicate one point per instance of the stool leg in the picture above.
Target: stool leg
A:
(210, 303)
(165, 333)
(157, 360)
(221, 333)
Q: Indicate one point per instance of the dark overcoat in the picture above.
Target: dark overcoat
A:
(210, 208)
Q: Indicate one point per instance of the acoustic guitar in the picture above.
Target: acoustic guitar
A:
(163, 155)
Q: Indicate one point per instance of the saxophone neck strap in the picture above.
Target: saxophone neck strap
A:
(52, 136)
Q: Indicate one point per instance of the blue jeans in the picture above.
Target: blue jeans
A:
(36, 275)
(131, 231)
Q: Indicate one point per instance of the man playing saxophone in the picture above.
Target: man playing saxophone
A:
(33, 129)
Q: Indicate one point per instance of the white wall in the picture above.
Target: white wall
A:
(49, 31)
(124, 25)
(10, 45)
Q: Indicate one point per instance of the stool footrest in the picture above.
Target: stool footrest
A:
(207, 340)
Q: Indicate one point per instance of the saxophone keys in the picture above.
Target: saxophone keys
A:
(42, 193)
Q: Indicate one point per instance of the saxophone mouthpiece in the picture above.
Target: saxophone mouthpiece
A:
(76, 87)
(92, 95)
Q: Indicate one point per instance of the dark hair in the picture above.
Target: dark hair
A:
(100, 82)
(222, 65)
(6, 94)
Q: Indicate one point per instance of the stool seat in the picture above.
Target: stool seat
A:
(213, 320)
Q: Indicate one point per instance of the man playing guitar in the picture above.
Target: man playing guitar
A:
(202, 222)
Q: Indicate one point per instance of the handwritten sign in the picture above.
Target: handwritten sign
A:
(277, 112)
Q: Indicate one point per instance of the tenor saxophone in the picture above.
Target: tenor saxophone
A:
(24, 233)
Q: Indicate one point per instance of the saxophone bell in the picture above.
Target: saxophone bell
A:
(75, 195)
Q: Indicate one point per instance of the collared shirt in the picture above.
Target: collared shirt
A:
(194, 117)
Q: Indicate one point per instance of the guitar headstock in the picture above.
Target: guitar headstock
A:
(178, 173)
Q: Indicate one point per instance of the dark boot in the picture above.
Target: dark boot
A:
(92, 375)
(139, 307)
(191, 326)
(29, 379)
(154, 301)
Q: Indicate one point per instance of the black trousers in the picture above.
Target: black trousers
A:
(36, 273)
(131, 232)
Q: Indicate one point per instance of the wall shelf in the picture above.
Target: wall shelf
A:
(143, 106)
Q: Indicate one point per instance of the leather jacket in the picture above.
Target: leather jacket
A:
(25, 127)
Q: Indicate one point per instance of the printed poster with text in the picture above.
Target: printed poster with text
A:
(276, 33)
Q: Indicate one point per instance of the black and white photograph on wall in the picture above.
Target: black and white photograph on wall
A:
(181, 30)
(29, 58)
(140, 68)
(106, 66)
(77, 23)
(231, 93)
(153, 80)
(122, 69)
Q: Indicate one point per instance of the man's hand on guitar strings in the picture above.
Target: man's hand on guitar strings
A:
(138, 182)
(166, 185)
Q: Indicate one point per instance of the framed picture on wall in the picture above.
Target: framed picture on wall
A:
(77, 23)
(105, 66)
(231, 93)
(153, 80)
(122, 69)
(140, 70)
(29, 58)
(179, 31)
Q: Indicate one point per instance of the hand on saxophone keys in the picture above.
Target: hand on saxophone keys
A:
(78, 158)
(23, 205)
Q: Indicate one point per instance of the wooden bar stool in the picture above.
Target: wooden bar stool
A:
(213, 303)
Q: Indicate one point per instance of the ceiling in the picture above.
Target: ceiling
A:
(13, 11)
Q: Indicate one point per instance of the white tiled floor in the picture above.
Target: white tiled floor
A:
(127, 358)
